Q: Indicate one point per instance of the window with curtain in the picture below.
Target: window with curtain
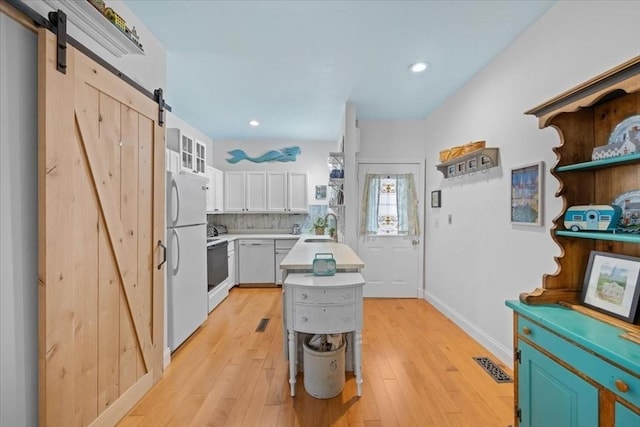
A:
(389, 206)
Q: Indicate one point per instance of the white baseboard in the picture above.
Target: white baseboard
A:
(167, 357)
(501, 352)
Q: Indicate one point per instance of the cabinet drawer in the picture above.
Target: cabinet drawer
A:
(324, 318)
(310, 295)
(581, 360)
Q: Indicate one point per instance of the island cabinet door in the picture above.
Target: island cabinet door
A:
(550, 395)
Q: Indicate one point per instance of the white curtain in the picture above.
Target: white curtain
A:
(407, 203)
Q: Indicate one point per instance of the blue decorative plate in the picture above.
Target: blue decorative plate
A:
(629, 202)
(629, 129)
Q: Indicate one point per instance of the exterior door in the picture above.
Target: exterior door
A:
(101, 216)
(393, 263)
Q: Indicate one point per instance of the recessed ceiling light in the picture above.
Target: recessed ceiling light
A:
(418, 67)
(254, 123)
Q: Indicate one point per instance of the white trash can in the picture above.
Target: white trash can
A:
(323, 371)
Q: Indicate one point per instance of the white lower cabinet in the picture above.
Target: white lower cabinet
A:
(283, 246)
(231, 252)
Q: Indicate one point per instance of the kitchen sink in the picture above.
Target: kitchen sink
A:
(318, 239)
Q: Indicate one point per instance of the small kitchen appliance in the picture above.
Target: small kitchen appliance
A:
(295, 229)
(219, 230)
(324, 264)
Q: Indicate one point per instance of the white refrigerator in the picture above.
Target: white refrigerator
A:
(186, 256)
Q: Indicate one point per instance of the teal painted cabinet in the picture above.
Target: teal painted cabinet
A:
(625, 417)
(550, 395)
(572, 370)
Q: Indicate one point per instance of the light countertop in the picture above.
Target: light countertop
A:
(266, 236)
(301, 256)
(339, 280)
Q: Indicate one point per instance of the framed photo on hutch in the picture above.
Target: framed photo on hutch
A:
(612, 285)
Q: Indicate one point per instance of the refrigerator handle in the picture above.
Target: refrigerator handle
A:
(177, 267)
(164, 254)
(174, 186)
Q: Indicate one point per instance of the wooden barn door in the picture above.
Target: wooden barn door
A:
(101, 217)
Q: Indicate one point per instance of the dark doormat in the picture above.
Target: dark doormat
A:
(262, 324)
(494, 370)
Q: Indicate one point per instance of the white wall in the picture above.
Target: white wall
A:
(312, 159)
(18, 226)
(480, 260)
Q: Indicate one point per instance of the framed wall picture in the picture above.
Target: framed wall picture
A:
(436, 199)
(612, 284)
(526, 194)
(321, 192)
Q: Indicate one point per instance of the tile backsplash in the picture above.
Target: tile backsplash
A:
(266, 221)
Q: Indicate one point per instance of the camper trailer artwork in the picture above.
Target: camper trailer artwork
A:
(592, 217)
(629, 203)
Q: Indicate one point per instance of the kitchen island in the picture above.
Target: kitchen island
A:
(322, 304)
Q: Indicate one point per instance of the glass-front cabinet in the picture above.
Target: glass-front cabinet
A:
(193, 155)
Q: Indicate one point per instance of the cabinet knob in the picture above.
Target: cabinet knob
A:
(526, 330)
(304, 319)
(622, 386)
(303, 296)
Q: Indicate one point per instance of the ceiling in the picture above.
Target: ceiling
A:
(292, 65)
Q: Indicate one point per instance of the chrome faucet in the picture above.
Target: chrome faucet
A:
(326, 221)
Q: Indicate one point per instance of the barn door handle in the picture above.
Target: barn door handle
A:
(164, 255)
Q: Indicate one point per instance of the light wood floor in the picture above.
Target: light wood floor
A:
(417, 368)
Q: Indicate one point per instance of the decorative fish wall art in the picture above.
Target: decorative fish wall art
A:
(283, 155)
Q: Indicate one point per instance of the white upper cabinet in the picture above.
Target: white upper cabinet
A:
(215, 188)
(297, 192)
(172, 161)
(287, 192)
(284, 192)
(256, 192)
(234, 191)
(277, 191)
(193, 153)
(245, 192)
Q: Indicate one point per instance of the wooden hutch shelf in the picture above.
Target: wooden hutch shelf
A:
(592, 356)
(598, 164)
(614, 237)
